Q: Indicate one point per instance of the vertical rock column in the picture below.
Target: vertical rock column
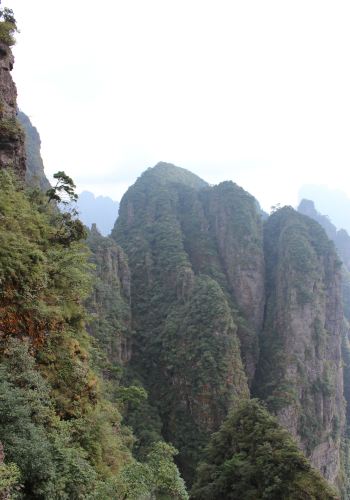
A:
(300, 372)
(12, 150)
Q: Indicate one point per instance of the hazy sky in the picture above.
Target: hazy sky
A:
(253, 91)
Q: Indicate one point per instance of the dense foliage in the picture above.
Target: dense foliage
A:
(206, 366)
(253, 457)
(8, 26)
(60, 432)
(63, 396)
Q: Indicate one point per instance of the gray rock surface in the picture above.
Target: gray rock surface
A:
(12, 150)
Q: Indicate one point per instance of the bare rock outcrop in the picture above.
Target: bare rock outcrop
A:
(12, 150)
(35, 175)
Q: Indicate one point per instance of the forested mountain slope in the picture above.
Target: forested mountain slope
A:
(12, 149)
(61, 431)
(191, 296)
(199, 287)
(115, 350)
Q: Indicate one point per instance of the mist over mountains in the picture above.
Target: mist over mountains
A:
(333, 203)
(99, 210)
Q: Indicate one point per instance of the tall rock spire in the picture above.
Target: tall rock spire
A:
(12, 150)
(300, 371)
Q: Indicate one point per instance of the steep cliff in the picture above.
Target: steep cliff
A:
(235, 225)
(60, 424)
(12, 150)
(340, 237)
(300, 368)
(202, 307)
(341, 240)
(35, 175)
(196, 261)
(109, 303)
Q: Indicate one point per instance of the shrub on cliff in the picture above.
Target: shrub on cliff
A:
(7, 26)
(252, 457)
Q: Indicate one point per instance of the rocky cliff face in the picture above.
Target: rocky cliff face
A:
(236, 226)
(342, 243)
(35, 175)
(300, 369)
(203, 308)
(196, 260)
(12, 151)
(109, 303)
(341, 240)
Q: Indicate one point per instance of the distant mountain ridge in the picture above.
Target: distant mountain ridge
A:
(332, 202)
(340, 237)
(99, 210)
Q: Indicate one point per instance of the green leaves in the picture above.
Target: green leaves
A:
(33, 438)
(64, 190)
(158, 477)
(9, 478)
(7, 26)
(251, 457)
(59, 429)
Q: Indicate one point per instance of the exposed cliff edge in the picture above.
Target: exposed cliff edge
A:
(109, 303)
(300, 369)
(12, 150)
(341, 240)
(35, 175)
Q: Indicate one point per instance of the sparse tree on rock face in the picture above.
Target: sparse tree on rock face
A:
(64, 190)
(7, 15)
(8, 26)
(70, 227)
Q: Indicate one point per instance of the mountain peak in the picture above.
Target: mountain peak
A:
(167, 172)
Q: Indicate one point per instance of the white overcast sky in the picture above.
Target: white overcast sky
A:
(253, 91)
